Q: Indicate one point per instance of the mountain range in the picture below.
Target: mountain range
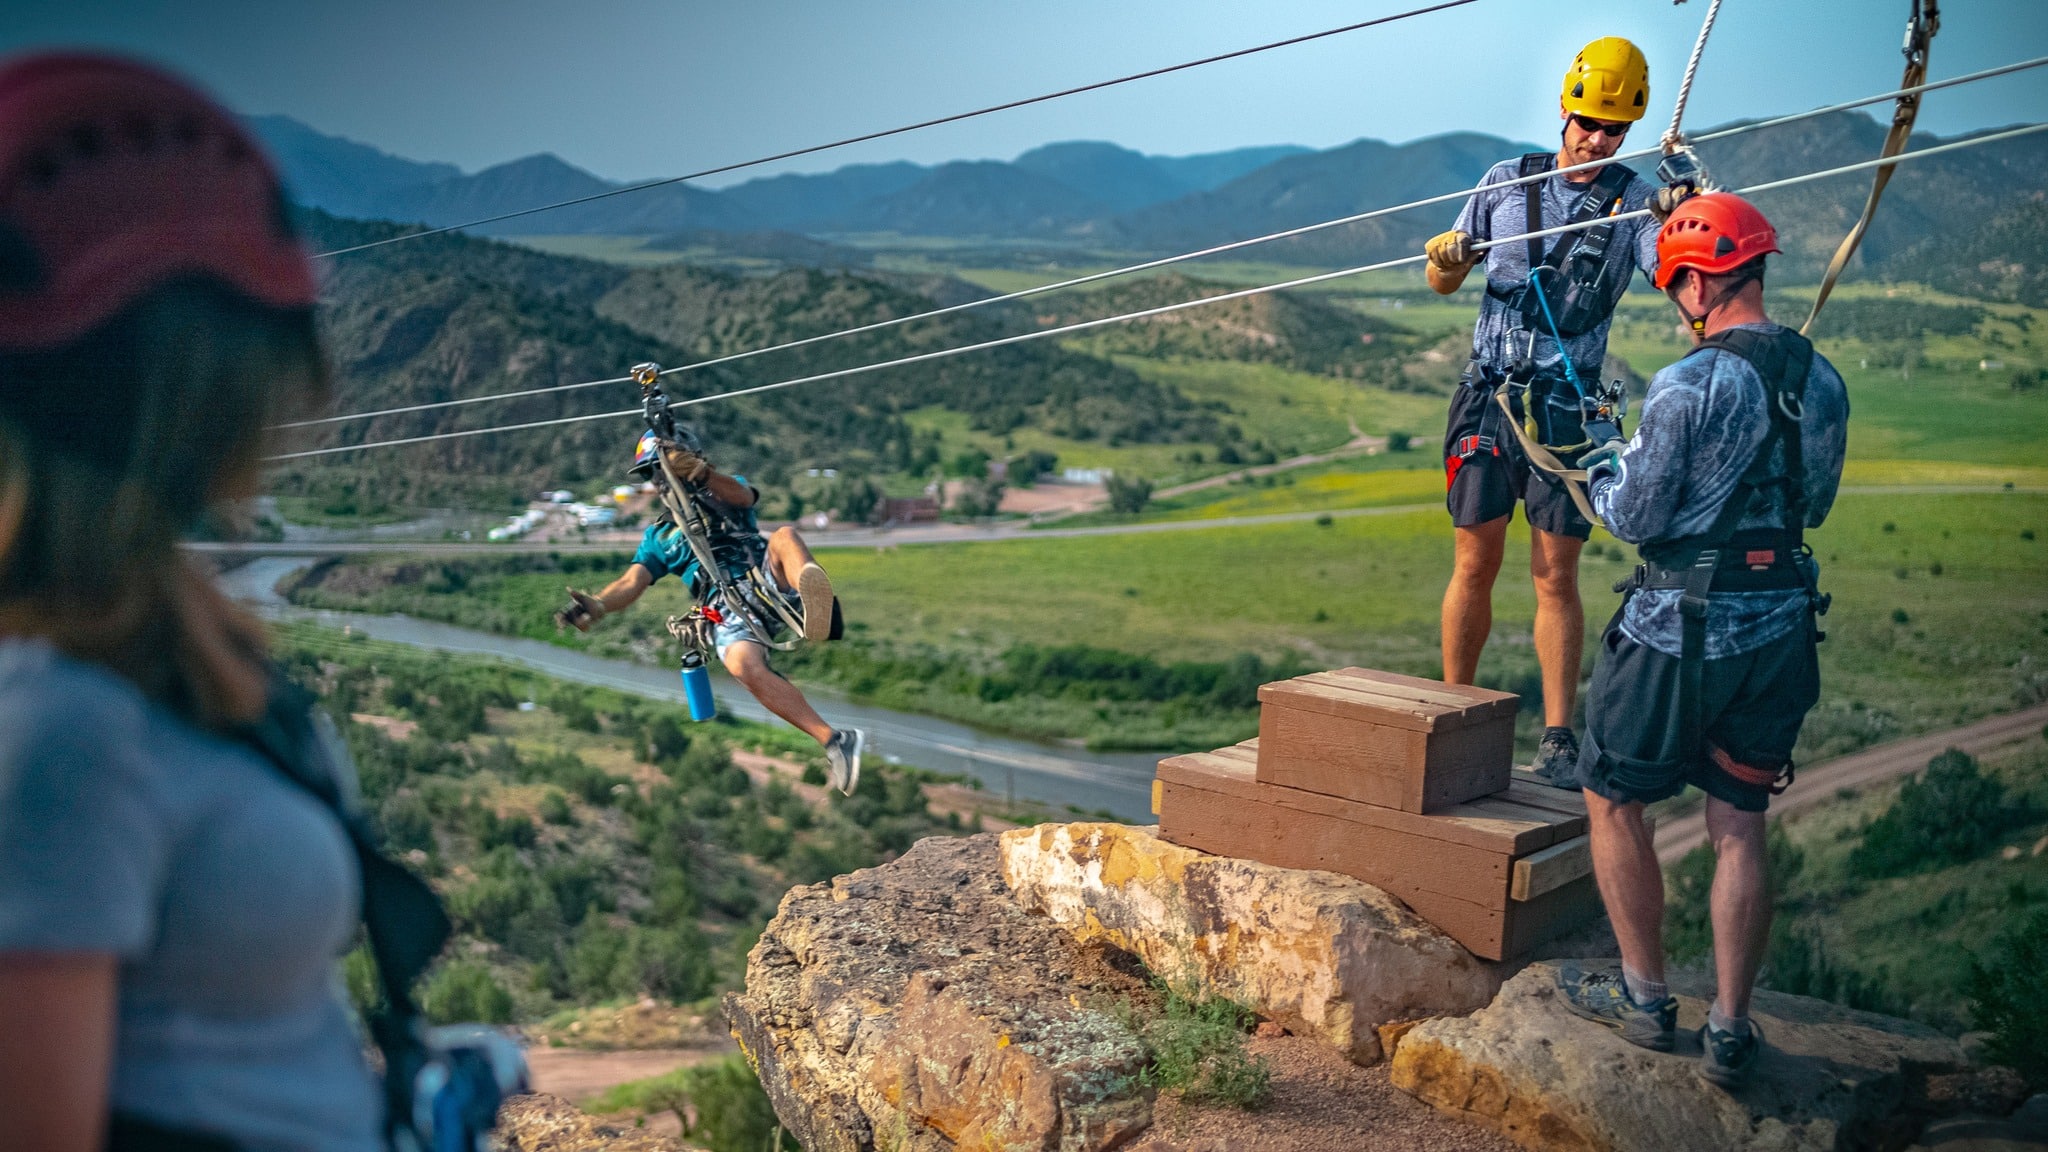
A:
(1100, 196)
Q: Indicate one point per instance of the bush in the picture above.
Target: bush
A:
(1948, 815)
(464, 992)
(1400, 442)
(2009, 999)
(733, 1113)
(1129, 494)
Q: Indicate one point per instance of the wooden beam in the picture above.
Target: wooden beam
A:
(1558, 865)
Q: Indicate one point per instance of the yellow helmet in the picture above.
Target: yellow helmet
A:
(1608, 80)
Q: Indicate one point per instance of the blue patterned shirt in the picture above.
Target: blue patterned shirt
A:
(1702, 423)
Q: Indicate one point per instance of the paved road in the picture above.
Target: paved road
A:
(1817, 784)
(944, 533)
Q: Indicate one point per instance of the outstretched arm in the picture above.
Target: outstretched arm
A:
(586, 609)
(56, 1048)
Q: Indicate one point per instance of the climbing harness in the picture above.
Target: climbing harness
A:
(746, 598)
(1580, 266)
(1727, 560)
(1921, 26)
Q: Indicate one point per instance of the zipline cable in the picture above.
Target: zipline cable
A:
(954, 118)
(1164, 309)
(1166, 261)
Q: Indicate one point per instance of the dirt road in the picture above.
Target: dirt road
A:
(1818, 783)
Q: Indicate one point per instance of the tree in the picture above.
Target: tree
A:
(1129, 494)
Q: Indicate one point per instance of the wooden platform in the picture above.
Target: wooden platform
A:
(1386, 739)
(1499, 875)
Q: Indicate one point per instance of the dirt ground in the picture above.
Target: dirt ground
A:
(1321, 1103)
(579, 1073)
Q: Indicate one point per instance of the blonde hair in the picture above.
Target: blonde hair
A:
(115, 445)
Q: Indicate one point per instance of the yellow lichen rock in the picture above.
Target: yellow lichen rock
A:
(1325, 955)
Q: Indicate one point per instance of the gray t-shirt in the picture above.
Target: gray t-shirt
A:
(1498, 339)
(226, 892)
(1702, 423)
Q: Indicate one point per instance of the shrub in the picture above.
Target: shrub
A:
(1948, 815)
(406, 824)
(2009, 999)
(1129, 494)
(465, 992)
(733, 1113)
(1798, 962)
(554, 808)
(1400, 442)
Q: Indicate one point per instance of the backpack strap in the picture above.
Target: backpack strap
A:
(404, 920)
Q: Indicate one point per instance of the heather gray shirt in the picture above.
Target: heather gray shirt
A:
(1498, 339)
(225, 892)
(1702, 423)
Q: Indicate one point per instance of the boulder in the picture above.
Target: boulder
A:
(1831, 1078)
(915, 1006)
(1324, 955)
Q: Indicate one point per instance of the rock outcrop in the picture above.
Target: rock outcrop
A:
(1323, 954)
(916, 1006)
(1831, 1079)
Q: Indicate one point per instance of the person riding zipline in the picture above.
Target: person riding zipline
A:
(1542, 330)
(795, 579)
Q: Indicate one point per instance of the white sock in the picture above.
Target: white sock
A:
(1641, 989)
(1720, 1021)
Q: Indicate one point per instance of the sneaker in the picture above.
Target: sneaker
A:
(1603, 998)
(1727, 1058)
(842, 758)
(814, 590)
(1557, 759)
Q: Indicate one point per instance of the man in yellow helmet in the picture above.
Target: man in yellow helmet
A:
(1540, 338)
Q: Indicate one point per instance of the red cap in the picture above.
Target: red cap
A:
(116, 177)
(1713, 232)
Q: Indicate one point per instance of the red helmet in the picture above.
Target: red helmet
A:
(114, 178)
(1714, 232)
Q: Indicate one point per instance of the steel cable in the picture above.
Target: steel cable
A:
(865, 137)
(1184, 257)
(1672, 136)
(1085, 325)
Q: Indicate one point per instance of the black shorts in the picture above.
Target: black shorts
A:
(1751, 706)
(1485, 471)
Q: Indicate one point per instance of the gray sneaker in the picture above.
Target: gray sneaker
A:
(1603, 998)
(1557, 759)
(1727, 1058)
(842, 758)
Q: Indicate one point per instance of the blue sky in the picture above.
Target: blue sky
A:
(640, 88)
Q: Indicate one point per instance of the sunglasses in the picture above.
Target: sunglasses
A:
(1590, 126)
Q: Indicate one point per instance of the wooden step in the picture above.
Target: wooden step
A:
(1386, 739)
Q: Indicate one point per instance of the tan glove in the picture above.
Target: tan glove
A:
(583, 611)
(1666, 200)
(687, 465)
(1452, 251)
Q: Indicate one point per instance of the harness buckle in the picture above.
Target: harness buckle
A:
(1698, 579)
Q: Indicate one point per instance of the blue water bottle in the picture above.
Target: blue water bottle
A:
(697, 686)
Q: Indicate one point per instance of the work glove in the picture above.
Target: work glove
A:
(688, 466)
(1452, 251)
(1666, 200)
(1603, 459)
(583, 611)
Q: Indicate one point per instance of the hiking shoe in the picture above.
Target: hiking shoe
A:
(814, 589)
(842, 758)
(1603, 998)
(1557, 759)
(1727, 1058)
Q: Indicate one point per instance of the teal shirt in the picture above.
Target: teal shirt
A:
(735, 537)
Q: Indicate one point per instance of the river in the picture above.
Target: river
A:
(1050, 773)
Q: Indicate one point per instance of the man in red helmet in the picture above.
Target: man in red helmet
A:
(1708, 670)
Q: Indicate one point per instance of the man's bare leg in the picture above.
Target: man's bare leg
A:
(787, 555)
(748, 663)
(1468, 601)
(1560, 631)
(1740, 902)
(1631, 883)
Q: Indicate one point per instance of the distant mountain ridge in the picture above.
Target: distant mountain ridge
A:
(1099, 195)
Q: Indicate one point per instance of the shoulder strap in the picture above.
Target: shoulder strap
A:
(1532, 199)
(1782, 360)
(404, 920)
(1599, 201)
